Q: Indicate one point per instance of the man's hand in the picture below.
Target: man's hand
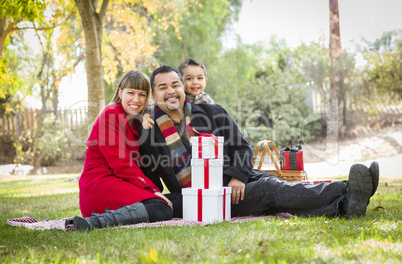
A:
(164, 198)
(238, 188)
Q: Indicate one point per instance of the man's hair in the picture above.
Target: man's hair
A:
(192, 62)
(163, 69)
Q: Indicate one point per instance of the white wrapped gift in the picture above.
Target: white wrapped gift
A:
(207, 173)
(207, 205)
(207, 147)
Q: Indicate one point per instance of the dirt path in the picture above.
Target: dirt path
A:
(328, 160)
(390, 167)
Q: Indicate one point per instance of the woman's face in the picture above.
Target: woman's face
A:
(132, 100)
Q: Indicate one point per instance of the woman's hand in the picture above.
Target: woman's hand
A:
(238, 188)
(164, 198)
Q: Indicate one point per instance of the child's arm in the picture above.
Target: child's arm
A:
(203, 98)
(147, 121)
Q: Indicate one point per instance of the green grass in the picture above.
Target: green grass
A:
(375, 238)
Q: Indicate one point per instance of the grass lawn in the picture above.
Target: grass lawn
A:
(375, 238)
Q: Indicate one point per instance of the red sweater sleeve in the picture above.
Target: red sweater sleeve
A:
(117, 143)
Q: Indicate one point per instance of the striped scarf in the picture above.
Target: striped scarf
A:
(179, 156)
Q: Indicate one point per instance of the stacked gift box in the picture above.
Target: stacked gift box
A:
(207, 200)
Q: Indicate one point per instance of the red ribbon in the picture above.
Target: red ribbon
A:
(199, 147)
(216, 147)
(206, 135)
(224, 204)
(206, 173)
(199, 196)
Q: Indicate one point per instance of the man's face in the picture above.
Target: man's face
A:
(169, 92)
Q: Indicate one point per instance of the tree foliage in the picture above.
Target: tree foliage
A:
(384, 64)
(38, 58)
(130, 28)
(263, 86)
(199, 34)
(163, 32)
(19, 17)
(271, 103)
(21, 73)
(229, 72)
(312, 61)
(12, 13)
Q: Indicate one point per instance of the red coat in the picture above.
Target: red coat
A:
(111, 177)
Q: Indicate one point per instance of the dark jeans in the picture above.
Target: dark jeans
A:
(270, 194)
(158, 210)
(177, 201)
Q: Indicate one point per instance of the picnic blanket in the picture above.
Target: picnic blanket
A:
(31, 223)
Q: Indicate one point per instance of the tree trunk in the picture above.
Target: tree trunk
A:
(334, 32)
(55, 100)
(92, 25)
(334, 52)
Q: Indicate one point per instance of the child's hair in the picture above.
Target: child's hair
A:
(192, 62)
(136, 80)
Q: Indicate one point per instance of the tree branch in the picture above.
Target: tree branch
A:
(4, 35)
(64, 72)
(46, 28)
(93, 5)
(2, 23)
(102, 12)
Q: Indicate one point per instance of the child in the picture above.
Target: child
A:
(194, 76)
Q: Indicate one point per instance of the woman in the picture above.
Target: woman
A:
(111, 178)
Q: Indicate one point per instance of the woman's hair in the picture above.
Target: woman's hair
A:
(136, 80)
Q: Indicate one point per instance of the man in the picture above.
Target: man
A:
(166, 156)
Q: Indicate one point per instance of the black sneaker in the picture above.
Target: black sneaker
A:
(375, 175)
(359, 190)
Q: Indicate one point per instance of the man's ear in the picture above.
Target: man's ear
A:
(153, 95)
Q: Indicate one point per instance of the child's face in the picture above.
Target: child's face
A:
(194, 79)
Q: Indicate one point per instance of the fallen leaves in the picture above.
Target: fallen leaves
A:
(153, 255)
(378, 208)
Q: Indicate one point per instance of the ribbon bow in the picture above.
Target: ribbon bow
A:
(207, 135)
